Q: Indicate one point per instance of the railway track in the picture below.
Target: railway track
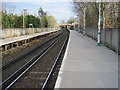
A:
(21, 72)
(10, 68)
(53, 66)
(13, 60)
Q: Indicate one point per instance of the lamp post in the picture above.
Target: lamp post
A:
(98, 39)
(24, 17)
(84, 20)
(78, 20)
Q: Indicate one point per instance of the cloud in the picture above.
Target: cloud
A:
(58, 0)
(60, 10)
(36, 0)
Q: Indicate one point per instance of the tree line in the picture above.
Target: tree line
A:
(109, 13)
(10, 20)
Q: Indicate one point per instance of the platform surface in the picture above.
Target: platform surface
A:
(86, 65)
(14, 39)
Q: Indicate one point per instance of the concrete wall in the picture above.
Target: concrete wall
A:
(15, 32)
(109, 37)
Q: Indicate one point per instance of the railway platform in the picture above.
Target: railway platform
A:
(17, 41)
(86, 65)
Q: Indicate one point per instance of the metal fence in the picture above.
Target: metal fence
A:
(109, 37)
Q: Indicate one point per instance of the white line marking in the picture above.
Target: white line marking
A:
(58, 81)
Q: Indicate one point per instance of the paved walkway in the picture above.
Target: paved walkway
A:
(86, 65)
(14, 39)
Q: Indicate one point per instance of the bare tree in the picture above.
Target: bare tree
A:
(108, 10)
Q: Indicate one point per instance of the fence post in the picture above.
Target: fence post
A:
(111, 38)
(104, 37)
(118, 41)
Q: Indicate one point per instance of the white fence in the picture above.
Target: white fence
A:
(15, 32)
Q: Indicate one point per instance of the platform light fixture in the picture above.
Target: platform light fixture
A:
(84, 18)
(99, 20)
(24, 10)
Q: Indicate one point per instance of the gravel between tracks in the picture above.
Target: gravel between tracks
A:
(12, 68)
(35, 77)
(14, 52)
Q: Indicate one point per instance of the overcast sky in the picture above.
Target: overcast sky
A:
(60, 9)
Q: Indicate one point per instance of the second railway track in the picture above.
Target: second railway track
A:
(42, 65)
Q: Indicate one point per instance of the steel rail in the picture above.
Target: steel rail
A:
(26, 67)
(22, 55)
(49, 75)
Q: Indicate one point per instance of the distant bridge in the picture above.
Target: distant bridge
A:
(73, 26)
